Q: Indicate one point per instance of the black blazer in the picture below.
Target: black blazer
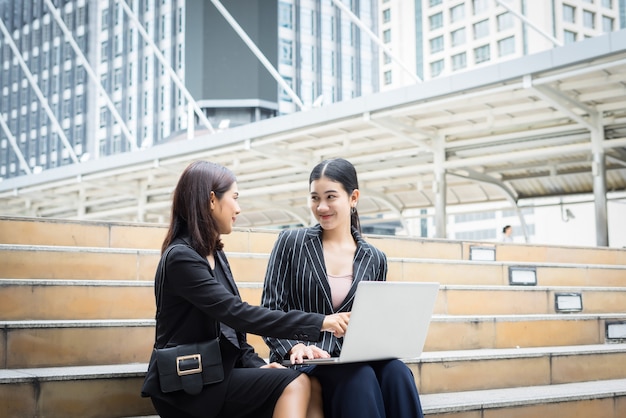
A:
(193, 304)
(296, 278)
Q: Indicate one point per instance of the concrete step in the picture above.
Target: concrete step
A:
(46, 231)
(54, 392)
(100, 299)
(467, 332)
(76, 263)
(486, 273)
(95, 263)
(508, 300)
(603, 398)
(87, 299)
(74, 343)
(87, 342)
(74, 392)
(456, 371)
(75, 299)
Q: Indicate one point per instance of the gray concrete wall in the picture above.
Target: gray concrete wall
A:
(218, 64)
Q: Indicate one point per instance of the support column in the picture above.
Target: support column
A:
(439, 188)
(142, 200)
(598, 171)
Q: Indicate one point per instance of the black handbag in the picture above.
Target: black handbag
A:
(189, 366)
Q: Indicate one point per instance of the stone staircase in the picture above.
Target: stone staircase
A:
(76, 309)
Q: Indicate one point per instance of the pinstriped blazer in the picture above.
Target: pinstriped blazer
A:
(296, 278)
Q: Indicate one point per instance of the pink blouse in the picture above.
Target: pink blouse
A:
(339, 288)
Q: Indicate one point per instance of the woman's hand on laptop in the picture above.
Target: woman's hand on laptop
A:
(299, 352)
(336, 323)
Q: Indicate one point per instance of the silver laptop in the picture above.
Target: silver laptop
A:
(388, 320)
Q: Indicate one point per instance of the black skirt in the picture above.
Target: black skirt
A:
(244, 393)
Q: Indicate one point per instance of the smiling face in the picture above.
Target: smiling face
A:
(331, 204)
(226, 209)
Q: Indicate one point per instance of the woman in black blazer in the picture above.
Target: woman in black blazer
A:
(318, 269)
(199, 297)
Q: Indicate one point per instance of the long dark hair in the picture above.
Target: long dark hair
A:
(342, 171)
(191, 206)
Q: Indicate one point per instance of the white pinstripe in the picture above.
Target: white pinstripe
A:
(296, 278)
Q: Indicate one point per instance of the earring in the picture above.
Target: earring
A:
(353, 209)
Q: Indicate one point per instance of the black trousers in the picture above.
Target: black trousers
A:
(381, 389)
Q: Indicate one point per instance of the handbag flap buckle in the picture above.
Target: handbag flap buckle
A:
(190, 364)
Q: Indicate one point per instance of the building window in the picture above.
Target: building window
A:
(285, 15)
(104, 51)
(286, 52)
(386, 15)
(569, 36)
(607, 3)
(459, 61)
(388, 77)
(506, 46)
(505, 21)
(482, 54)
(80, 17)
(66, 109)
(436, 21)
(67, 79)
(435, 2)
(569, 13)
(80, 75)
(481, 29)
(116, 14)
(436, 44)
(105, 18)
(284, 95)
(607, 24)
(480, 6)
(119, 45)
(146, 68)
(436, 68)
(117, 78)
(457, 13)
(79, 105)
(588, 19)
(387, 36)
(104, 80)
(103, 117)
(458, 37)
(117, 144)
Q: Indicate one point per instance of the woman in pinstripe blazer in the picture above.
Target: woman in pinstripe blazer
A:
(317, 269)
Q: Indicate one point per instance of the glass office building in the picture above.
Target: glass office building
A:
(56, 113)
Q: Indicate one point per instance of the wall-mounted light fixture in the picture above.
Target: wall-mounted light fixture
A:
(568, 302)
(522, 276)
(480, 253)
(616, 331)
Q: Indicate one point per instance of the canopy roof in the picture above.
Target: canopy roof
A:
(524, 128)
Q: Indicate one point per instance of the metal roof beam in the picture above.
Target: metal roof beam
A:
(82, 59)
(376, 39)
(524, 19)
(18, 152)
(166, 65)
(33, 84)
(257, 53)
